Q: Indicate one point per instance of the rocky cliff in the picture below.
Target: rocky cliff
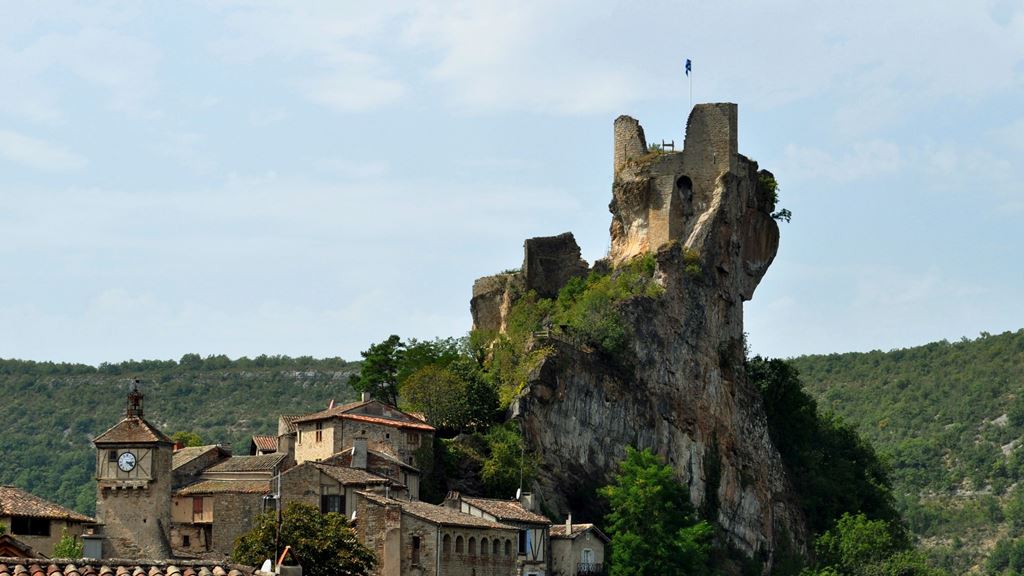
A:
(705, 213)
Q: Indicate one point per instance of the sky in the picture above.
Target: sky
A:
(250, 178)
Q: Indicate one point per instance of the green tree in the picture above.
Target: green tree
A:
(858, 546)
(440, 394)
(652, 524)
(508, 465)
(379, 372)
(834, 471)
(186, 438)
(68, 546)
(324, 544)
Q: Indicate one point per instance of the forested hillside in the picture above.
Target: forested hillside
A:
(949, 418)
(52, 411)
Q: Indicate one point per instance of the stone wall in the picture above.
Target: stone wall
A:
(191, 470)
(45, 544)
(233, 515)
(567, 553)
(136, 516)
(550, 262)
(309, 449)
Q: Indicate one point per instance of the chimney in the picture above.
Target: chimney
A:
(526, 501)
(568, 525)
(359, 453)
(366, 396)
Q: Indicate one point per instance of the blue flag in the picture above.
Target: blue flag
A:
(688, 67)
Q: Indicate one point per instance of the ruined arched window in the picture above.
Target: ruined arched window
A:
(458, 545)
(483, 547)
(508, 547)
(446, 546)
(472, 546)
(496, 548)
(684, 184)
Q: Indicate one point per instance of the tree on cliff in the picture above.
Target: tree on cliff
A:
(857, 546)
(324, 544)
(379, 373)
(652, 524)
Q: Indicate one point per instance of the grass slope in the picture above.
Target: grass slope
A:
(51, 412)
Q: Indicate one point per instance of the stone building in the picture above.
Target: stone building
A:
(188, 463)
(420, 539)
(133, 486)
(380, 464)
(532, 529)
(387, 429)
(35, 525)
(577, 550)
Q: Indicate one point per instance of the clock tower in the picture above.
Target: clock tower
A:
(133, 485)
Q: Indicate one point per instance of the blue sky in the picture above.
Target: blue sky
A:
(308, 178)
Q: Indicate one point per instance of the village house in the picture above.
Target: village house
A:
(532, 529)
(387, 429)
(34, 525)
(420, 539)
(577, 549)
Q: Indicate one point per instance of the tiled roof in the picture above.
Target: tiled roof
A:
(415, 424)
(329, 413)
(437, 514)
(112, 567)
(378, 454)
(185, 455)
(289, 421)
(265, 443)
(506, 510)
(353, 476)
(226, 487)
(344, 411)
(17, 502)
(132, 429)
(558, 531)
(261, 463)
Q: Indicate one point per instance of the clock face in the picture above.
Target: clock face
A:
(126, 462)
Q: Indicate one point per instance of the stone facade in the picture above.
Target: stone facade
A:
(43, 543)
(550, 262)
(386, 429)
(426, 540)
(578, 550)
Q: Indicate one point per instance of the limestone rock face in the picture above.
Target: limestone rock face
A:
(704, 214)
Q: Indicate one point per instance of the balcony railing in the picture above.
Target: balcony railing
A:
(590, 569)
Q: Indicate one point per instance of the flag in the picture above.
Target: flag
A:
(688, 67)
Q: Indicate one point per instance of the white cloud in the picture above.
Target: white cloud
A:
(38, 154)
(862, 160)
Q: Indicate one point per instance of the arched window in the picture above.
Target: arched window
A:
(446, 546)
(685, 185)
(496, 548)
(458, 545)
(483, 547)
(508, 547)
(472, 546)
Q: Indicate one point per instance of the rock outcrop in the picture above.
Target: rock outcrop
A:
(706, 215)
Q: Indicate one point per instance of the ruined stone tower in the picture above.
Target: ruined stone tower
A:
(133, 485)
(705, 213)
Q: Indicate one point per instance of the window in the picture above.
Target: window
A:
(415, 549)
(587, 556)
(472, 546)
(25, 526)
(496, 547)
(523, 537)
(332, 503)
(112, 456)
(446, 546)
(458, 545)
(319, 431)
(413, 439)
(197, 508)
(186, 541)
(508, 547)
(483, 546)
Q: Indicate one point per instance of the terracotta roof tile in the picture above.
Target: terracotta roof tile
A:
(353, 476)
(185, 455)
(17, 502)
(261, 463)
(226, 487)
(328, 413)
(506, 510)
(132, 429)
(85, 567)
(346, 411)
(265, 443)
(435, 514)
(558, 531)
(416, 424)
